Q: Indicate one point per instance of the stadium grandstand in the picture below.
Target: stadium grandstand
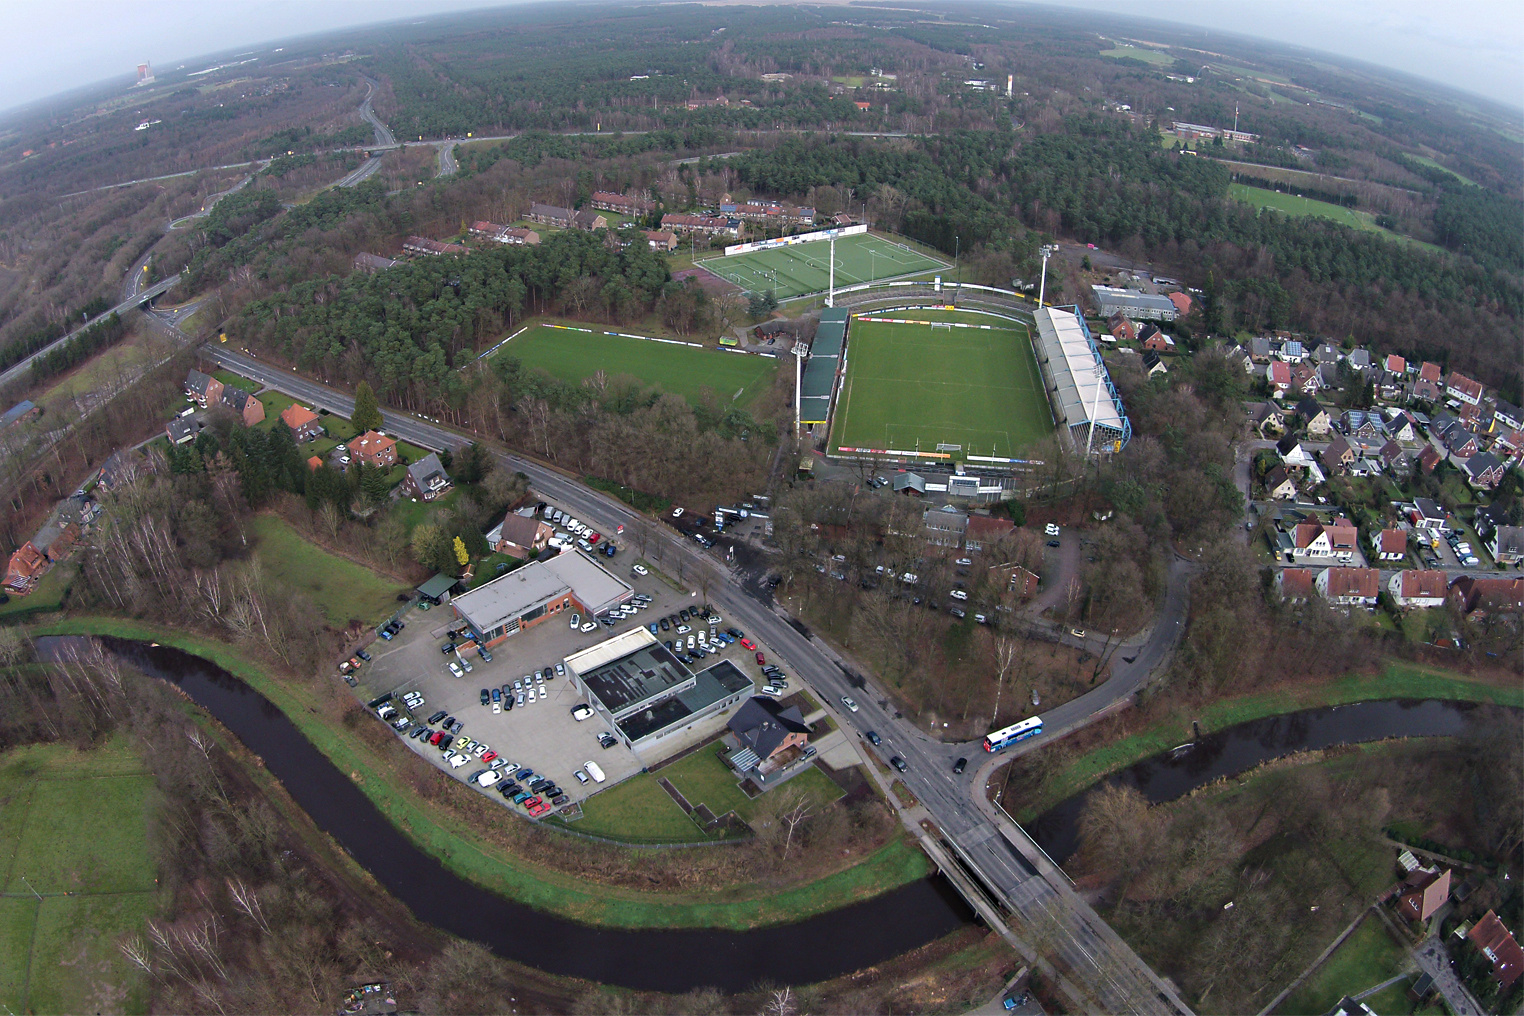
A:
(823, 367)
(1079, 387)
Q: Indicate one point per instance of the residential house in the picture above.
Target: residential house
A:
(305, 425)
(1506, 414)
(48, 546)
(1022, 581)
(370, 264)
(1182, 302)
(1498, 945)
(1313, 416)
(1488, 518)
(1267, 415)
(1506, 544)
(243, 405)
(1153, 337)
(1392, 455)
(1392, 544)
(1429, 515)
(1279, 485)
(661, 239)
(1259, 349)
(183, 429)
(1152, 364)
(1402, 426)
(1428, 458)
(1121, 327)
(1363, 428)
(1509, 447)
(1296, 585)
(589, 222)
(425, 480)
(767, 728)
(1430, 386)
(1338, 457)
(1292, 351)
(708, 224)
(505, 234)
(1424, 892)
(1359, 358)
(1483, 470)
(1291, 451)
(204, 388)
(1240, 355)
(1336, 541)
(1278, 374)
(423, 246)
(1505, 596)
(1391, 386)
(374, 449)
(1395, 364)
(21, 411)
(608, 201)
(552, 215)
(1326, 353)
(1419, 588)
(1349, 587)
(1461, 388)
(26, 565)
(984, 531)
(120, 469)
(944, 526)
(315, 463)
(1306, 378)
(520, 535)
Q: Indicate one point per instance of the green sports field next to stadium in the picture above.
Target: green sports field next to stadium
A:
(915, 384)
(573, 353)
(803, 268)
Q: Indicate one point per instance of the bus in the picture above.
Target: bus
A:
(1002, 739)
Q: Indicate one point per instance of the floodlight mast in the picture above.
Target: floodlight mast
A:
(1100, 383)
(831, 287)
(1048, 250)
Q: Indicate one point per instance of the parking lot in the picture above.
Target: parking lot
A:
(543, 735)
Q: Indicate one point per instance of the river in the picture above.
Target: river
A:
(815, 949)
(1171, 774)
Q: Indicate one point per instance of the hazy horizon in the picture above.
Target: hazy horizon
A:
(1472, 48)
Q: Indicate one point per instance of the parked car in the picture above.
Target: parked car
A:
(677, 513)
(486, 696)
(761, 659)
(641, 569)
(773, 690)
(437, 717)
(581, 711)
(748, 644)
(455, 669)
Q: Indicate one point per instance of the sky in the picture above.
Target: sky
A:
(55, 46)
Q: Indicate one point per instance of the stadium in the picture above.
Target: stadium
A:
(967, 374)
(805, 265)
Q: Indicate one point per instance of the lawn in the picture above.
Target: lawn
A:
(1291, 204)
(232, 380)
(703, 778)
(1149, 56)
(437, 829)
(343, 590)
(74, 830)
(1365, 959)
(799, 269)
(574, 354)
(912, 387)
(48, 595)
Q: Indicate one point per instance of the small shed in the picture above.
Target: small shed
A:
(438, 588)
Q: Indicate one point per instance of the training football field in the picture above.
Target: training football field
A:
(914, 386)
(802, 268)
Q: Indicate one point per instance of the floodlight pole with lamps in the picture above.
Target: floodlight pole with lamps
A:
(1100, 383)
(1048, 250)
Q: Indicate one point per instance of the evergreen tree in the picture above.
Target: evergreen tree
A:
(367, 414)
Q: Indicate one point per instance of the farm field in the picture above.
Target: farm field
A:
(803, 268)
(74, 832)
(1151, 56)
(576, 353)
(343, 590)
(912, 385)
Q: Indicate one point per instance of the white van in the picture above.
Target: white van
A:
(594, 772)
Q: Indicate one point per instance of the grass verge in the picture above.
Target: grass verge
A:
(1395, 681)
(437, 832)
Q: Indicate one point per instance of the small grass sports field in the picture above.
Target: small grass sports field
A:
(946, 381)
(574, 353)
(77, 877)
(804, 268)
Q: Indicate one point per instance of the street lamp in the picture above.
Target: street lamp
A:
(1048, 250)
(957, 247)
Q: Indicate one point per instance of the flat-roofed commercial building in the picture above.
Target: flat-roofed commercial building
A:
(541, 589)
(646, 693)
(1079, 386)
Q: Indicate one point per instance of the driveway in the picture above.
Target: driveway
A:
(1434, 960)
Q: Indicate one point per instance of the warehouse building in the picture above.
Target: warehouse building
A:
(647, 694)
(523, 598)
(1133, 305)
(1078, 384)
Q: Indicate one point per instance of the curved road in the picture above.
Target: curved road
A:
(1005, 859)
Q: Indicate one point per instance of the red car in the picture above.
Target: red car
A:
(593, 537)
(437, 737)
(748, 644)
(489, 756)
(761, 660)
(536, 810)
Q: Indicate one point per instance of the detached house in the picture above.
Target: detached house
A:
(1416, 588)
(520, 535)
(1463, 389)
(1267, 414)
(1506, 544)
(244, 406)
(1296, 585)
(425, 480)
(766, 729)
(1392, 544)
(375, 449)
(204, 388)
(304, 424)
(1312, 542)
(1504, 596)
(1314, 417)
(1430, 386)
(1121, 327)
(1498, 945)
(1349, 587)
(1483, 470)
(1338, 456)
(1278, 374)
(1306, 378)
(1424, 892)
(1279, 485)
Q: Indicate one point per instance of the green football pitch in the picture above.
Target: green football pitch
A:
(576, 353)
(914, 386)
(804, 267)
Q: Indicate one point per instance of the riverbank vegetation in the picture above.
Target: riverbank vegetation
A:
(1234, 890)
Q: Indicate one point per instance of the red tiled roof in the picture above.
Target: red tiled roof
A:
(1353, 582)
(1393, 541)
(297, 415)
(1430, 372)
(1489, 935)
(1296, 583)
(1424, 583)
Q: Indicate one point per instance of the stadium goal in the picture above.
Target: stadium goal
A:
(945, 326)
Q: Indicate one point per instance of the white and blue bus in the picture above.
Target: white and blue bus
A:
(1003, 738)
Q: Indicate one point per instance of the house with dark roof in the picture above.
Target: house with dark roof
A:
(1313, 416)
(426, 480)
(119, 469)
(910, 484)
(23, 410)
(1483, 470)
(183, 429)
(204, 388)
(1326, 353)
(246, 407)
(1506, 414)
(589, 221)
(768, 728)
(1506, 544)
(1267, 415)
(1153, 364)
(370, 264)
(520, 535)
(1279, 486)
(944, 526)
(1430, 386)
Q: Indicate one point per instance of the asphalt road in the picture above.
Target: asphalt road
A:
(132, 297)
(1016, 871)
(384, 136)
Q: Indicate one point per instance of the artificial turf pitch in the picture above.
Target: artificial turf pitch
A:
(911, 387)
(805, 268)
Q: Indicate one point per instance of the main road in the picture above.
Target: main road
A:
(1008, 863)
